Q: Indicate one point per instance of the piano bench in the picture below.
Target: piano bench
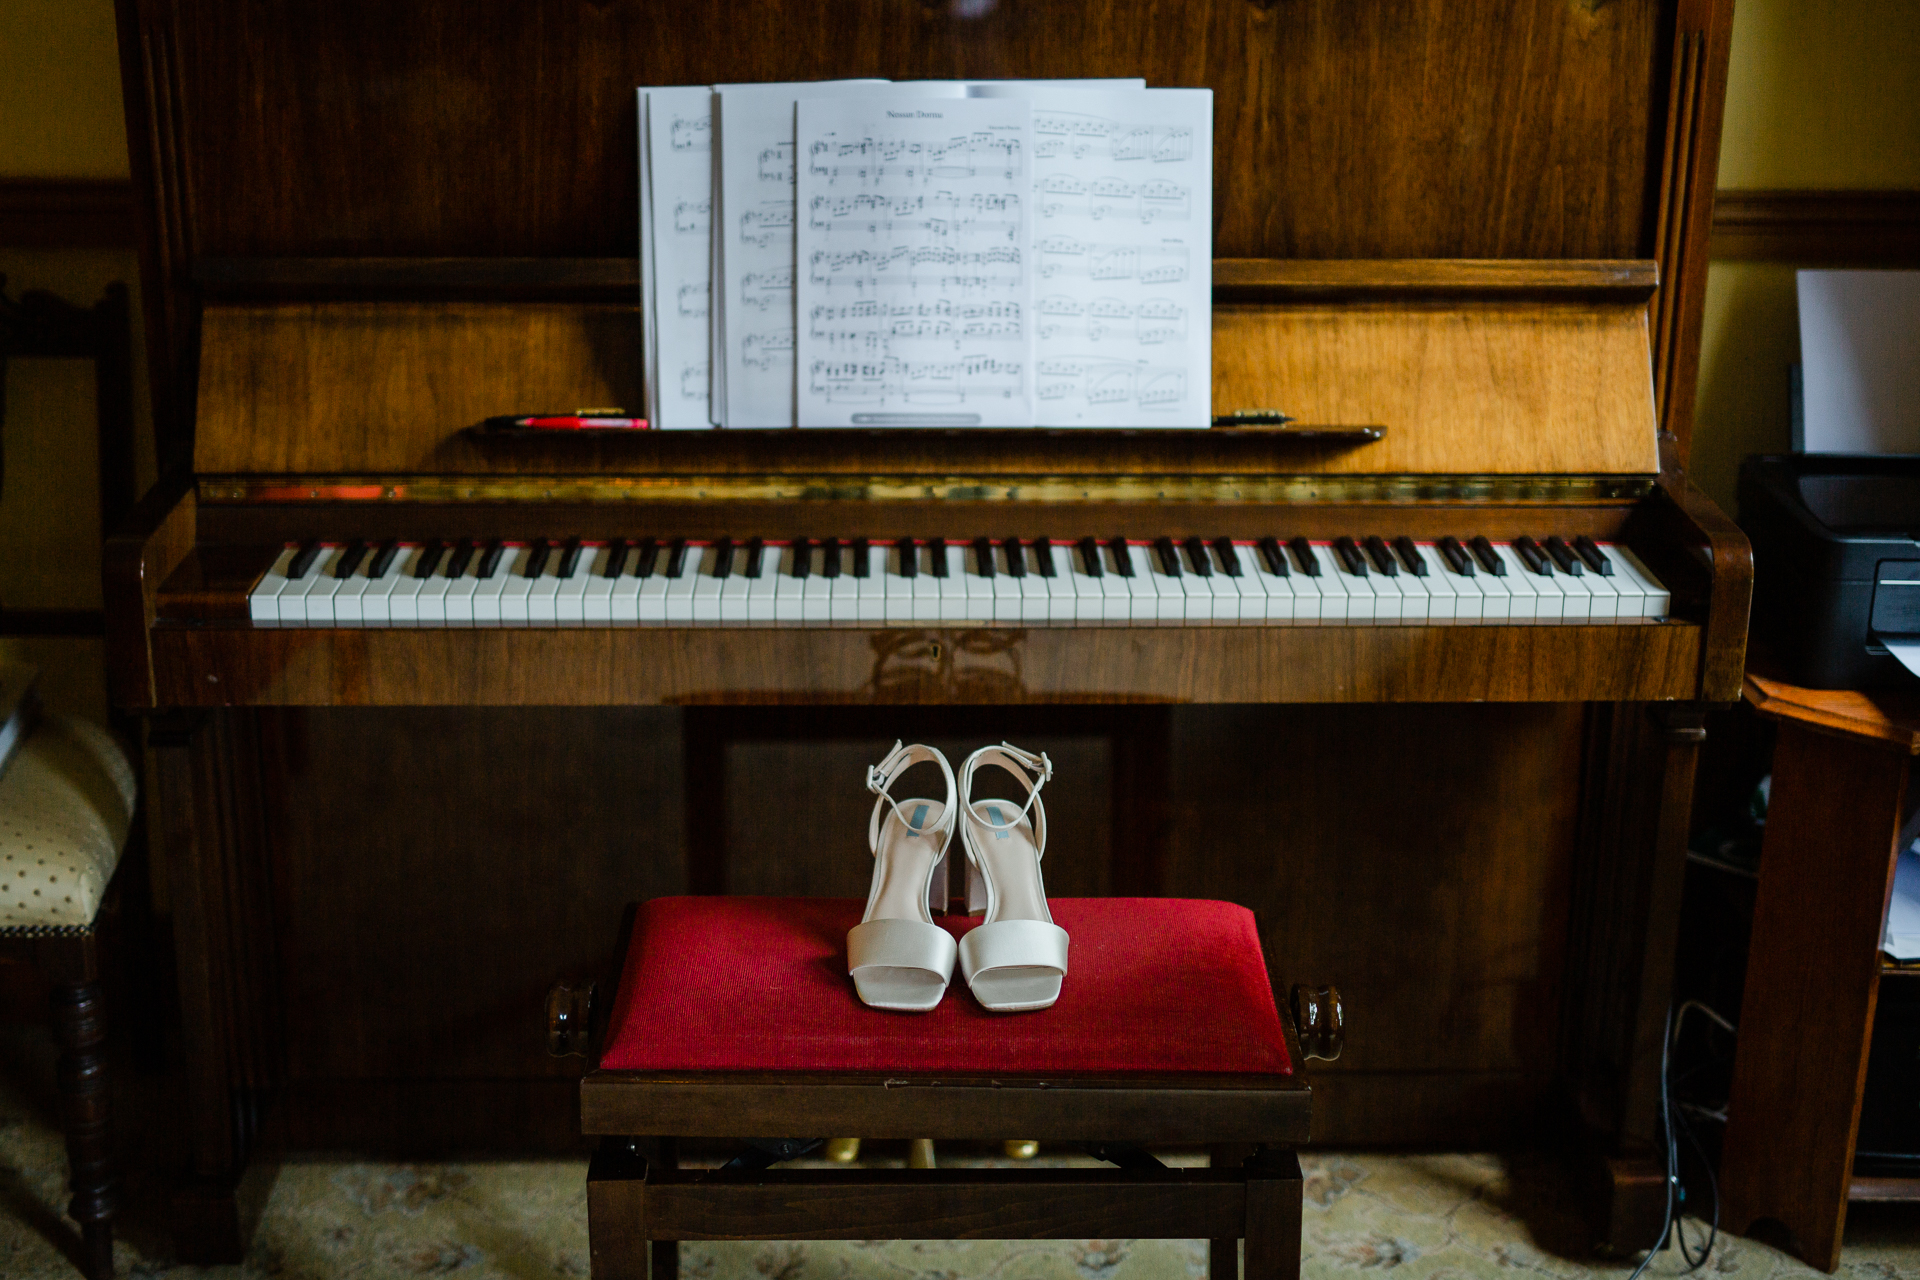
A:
(734, 1019)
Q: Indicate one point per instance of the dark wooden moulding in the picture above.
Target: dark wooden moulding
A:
(337, 809)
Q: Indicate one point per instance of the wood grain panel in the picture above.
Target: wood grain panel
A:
(1499, 389)
(1507, 388)
(234, 664)
(367, 128)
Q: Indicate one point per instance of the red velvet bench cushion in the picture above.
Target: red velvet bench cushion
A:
(760, 984)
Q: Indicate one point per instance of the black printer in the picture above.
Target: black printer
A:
(1836, 564)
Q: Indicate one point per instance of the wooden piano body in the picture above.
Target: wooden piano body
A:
(1479, 227)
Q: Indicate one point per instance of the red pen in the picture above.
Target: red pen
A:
(577, 421)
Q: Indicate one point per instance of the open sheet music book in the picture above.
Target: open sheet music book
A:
(856, 253)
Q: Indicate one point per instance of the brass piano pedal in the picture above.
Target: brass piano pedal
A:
(920, 1154)
(1020, 1148)
(842, 1150)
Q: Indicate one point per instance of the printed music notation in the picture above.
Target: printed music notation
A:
(982, 383)
(1166, 262)
(1060, 195)
(766, 289)
(694, 380)
(677, 223)
(916, 261)
(766, 225)
(695, 300)
(1081, 137)
(691, 132)
(693, 217)
(1149, 323)
(766, 350)
(1111, 384)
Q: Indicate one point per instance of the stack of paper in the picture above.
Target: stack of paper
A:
(862, 253)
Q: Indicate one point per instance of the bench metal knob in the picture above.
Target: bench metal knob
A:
(569, 1013)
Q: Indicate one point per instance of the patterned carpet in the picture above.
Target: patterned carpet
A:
(1419, 1217)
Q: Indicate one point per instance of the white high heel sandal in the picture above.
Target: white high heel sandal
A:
(898, 957)
(1016, 957)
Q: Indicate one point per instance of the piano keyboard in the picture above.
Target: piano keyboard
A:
(934, 582)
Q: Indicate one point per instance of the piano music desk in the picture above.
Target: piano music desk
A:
(1841, 765)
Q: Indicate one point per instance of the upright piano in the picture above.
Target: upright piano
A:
(1419, 675)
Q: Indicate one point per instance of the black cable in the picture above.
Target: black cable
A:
(1673, 1170)
(1713, 1191)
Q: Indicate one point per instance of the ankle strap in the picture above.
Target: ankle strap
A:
(880, 778)
(1020, 764)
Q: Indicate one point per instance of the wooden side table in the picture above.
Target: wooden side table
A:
(1840, 772)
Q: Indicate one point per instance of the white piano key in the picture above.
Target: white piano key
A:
(1576, 593)
(262, 603)
(1035, 598)
(570, 592)
(873, 587)
(1443, 596)
(1116, 590)
(1237, 600)
(1389, 593)
(1496, 593)
(1263, 595)
(734, 589)
(1605, 592)
(431, 603)
(899, 595)
(1658, 601)
(1195, 590)
(596, 600)
(1469, 598)
(1088, 610)
(624, 604)
(1305, 587)
(1523, 596)
(951, 604)
(461, 590)
(707, 585)
(1415, 593)
(1164, 597)
(979, 587)
(926, 587)
(843, 597)
(403, 601)
(1339, 594)
(1062, 604)
(763, 591)
(491, 607)
(1550, 588)
(816, 591)
(679, 595)
(650, 603)
(1007, 602)
(376, 602)
(318, 597)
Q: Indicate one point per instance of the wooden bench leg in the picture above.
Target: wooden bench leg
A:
(84, 1105)
(1223, 1256)
(1273, 1216)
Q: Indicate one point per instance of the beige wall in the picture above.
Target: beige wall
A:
(1821, 94)
(60, 117)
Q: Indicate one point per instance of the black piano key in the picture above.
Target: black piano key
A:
(862, 558)
(617, 552)
(1016, 557)
(383, 560)
(643, 558)
(1382, 556)
(350, 560)
(429, 560)
(461, 558)
(1303, 552)
(1043, 548)
(1229, 558)
(1276, 558)
(1090, 558)
(909, 557)
(1197, 556)
(1489, 558)
(1532, 556)
(1457, 556)
(1563, 556)
(1410, 556)
(756, 555)
(937, 557)
(802, 558)
(830, 558)
(1350, 556)
(676, 557)
(537, 562)
(1122, 559)
(490, 559)
(302, 561)
(1590, 552)
(722, 557)
(1168, 555)
(569, 558)
(983, 557)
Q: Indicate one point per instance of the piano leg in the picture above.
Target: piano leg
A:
(1623, 930)
(204, 767)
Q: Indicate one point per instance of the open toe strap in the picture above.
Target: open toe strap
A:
(880, 777)
(1013, 944)
(902, 944)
